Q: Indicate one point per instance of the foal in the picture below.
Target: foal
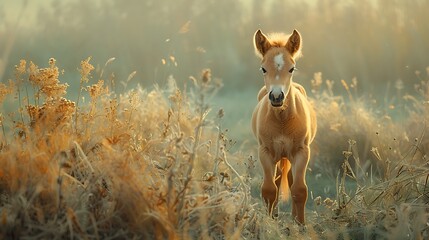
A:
(283, 122)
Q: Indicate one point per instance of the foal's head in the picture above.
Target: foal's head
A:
(278, 54)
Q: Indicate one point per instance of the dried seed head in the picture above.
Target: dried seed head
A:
(34, 112)
(47, 79)
(347, 154)
(328, 202)
(220, 113)
(376, 153)
(55, 90)
(54, 112)
(52, 62)
(318, 201)
(20, 69)
(96, 90)
(5, 90)
(206, 76)
(85, 69)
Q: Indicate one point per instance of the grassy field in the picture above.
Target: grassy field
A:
(150, 137)
(155, 163)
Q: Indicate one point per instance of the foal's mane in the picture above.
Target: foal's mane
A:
(278, 39)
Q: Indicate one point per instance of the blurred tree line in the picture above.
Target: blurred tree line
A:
(378, 42)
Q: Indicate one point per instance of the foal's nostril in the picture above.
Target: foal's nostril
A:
(272, 97)
(281, 97)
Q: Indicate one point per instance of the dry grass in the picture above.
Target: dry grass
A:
(385, 159)
(153, 164)
(134, 165)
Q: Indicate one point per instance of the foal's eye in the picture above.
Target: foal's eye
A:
(292, 69)
(263, 70)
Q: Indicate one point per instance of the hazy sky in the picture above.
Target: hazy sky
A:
(12, 8)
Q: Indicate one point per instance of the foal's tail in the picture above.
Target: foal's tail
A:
(284, 183)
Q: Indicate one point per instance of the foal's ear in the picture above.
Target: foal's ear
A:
(293, 44)
(261, 42)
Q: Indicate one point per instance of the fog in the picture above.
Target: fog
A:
(381, 43)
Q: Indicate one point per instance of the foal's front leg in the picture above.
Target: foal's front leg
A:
(299, 187)
(269, 189)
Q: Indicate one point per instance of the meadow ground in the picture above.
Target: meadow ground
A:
(159, 163)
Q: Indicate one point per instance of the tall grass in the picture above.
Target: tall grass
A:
(385, 157)
(156, 164)
(137, 164)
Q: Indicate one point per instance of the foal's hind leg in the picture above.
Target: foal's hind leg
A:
(277, 181)
(290, 182)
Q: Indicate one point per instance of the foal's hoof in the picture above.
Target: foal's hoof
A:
(302, 228)
(286, 231)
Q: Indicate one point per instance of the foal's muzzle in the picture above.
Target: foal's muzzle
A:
(276, 98)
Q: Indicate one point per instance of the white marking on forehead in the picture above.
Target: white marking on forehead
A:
(279, 61)
(277, 77)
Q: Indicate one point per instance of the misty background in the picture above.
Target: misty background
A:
(383, 44)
